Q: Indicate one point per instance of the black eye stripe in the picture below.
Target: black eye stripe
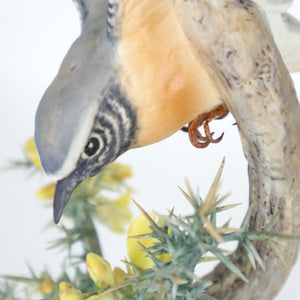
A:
(92, 146)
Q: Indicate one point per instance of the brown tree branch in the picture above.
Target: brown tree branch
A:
(241, 55)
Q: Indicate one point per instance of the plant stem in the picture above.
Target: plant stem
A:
(90, 239)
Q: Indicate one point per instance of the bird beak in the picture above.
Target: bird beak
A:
(63, 191)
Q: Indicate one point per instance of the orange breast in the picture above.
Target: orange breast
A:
(161, 71)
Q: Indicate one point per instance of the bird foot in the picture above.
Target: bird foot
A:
(196, 138)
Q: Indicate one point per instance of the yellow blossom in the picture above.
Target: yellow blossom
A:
(119, 275)
(140, 226)
(31, 152)
(114, 214)
(94, 297)
(120, 171)
(99, 270)
(46, 287)
(67, 292)
(114, 174)
(46, 192)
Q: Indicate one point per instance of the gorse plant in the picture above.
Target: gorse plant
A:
(164, 250)
(104, 198)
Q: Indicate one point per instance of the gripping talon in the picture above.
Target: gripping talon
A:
(209, 134)
(196, 138)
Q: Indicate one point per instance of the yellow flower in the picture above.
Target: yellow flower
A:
(114, 174)
(114, 214)
(31, 152)
(94, 297)
(99, 270)
(46, 287)
(67, 292)
(140, 226)
(120, 171)
(46, 192)
(119, 275)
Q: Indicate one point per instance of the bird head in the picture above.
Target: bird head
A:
(84, 120)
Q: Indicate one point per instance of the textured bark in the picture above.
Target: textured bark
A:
(241, 56)
(238, 48)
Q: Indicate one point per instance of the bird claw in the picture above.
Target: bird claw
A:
(200, 141)
(196, 138)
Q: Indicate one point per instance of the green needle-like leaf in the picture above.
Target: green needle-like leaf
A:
(274, 220)
(234, 269)
(250, 255)
(277, 252)
(255, 254)
(246, 220)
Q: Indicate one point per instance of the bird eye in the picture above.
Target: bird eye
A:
(92, 146)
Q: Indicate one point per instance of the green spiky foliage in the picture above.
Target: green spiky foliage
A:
(186, 241)
(104, 199)
(7, 291)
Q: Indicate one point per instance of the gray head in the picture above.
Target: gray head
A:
(77, 142)
(84, 120)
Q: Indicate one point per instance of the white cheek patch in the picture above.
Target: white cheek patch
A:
(77, 144)
(114, 123)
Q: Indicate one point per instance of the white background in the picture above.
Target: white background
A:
(35, 36)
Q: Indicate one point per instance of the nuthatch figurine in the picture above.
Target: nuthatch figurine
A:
(131, 79)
